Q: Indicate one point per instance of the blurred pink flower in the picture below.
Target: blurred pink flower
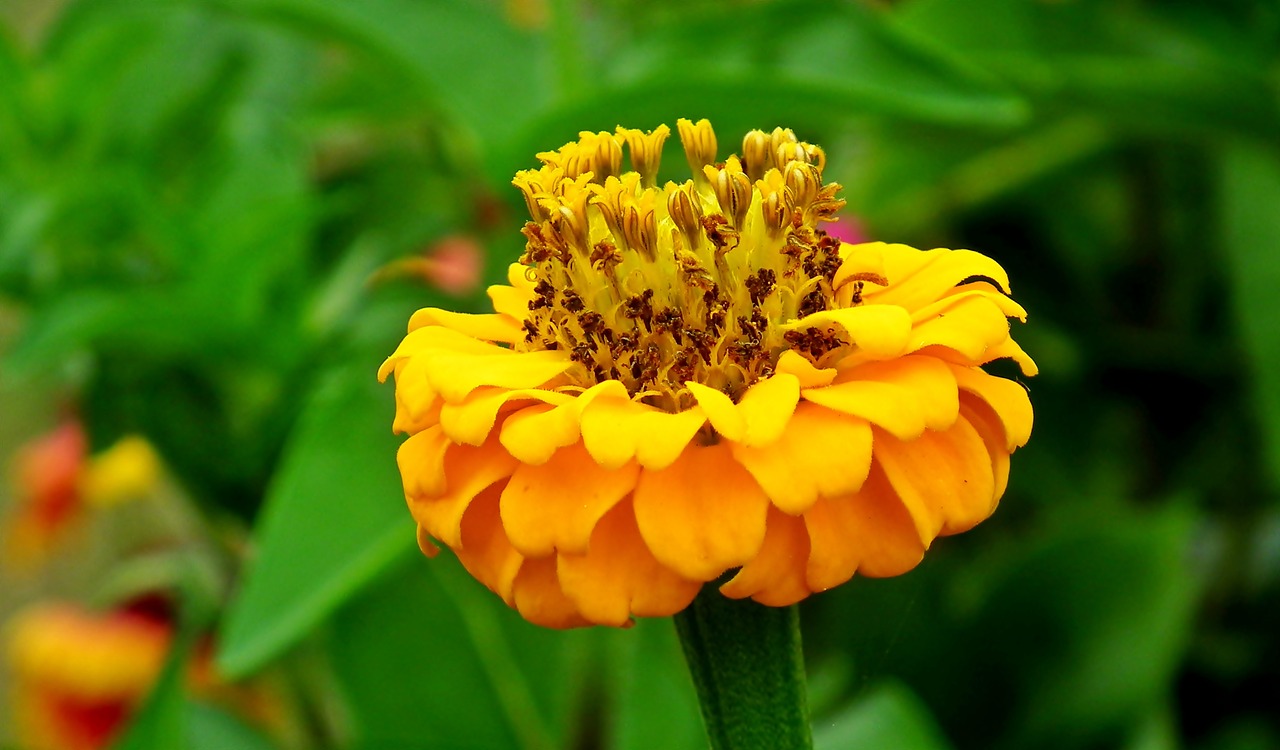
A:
(848, 230)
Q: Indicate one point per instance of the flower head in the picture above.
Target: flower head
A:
(57, 481)
(690, 378)
(79, 676)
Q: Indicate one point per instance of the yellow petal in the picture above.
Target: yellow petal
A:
(488, 327)
(804, 371)
(555, 506)
(421, 461)
(619, 577)
(904, 396)
(456, 375)
(1007, 398)
(720, 410)
(616, 430)
(970, 327)
(767, 406)
(486, 552)
(868, 532)
(775, 577)
(540, 600)
(511, 301)
(417, 404)
(983, 418)
(471, 420)
(468, 471)
(881, 331)
(954, 298)
(534, 433)
(822, 453)
(1009, 349)
(518, 276)
(918, 278)
(702, 514)
(944, 479)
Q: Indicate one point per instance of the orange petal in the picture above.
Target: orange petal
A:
(1007, 398)
(767, 406)
(869, 532)
(538, 596)
(904, 396)
(944, 479)
(555, 506)
(486, 552)
(488, 327)
(822, 453)
(468, 470)
(776, 575)
(702, 514)
(619, 577)
(421, 462)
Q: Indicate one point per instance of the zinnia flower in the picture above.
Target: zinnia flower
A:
(693, 378)
(79, 676)
(56, 481)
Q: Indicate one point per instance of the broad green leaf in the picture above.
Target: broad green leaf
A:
(462, 58)
(1142, 65)
(334, 519)
(430, 658)
(1250, 182)
(651, 697)
(888, 716)
(210, 728)
(809, 66)
(1092, 624)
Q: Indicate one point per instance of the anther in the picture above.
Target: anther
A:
(685, 212)
(756, 152)
(646, 151)
(732, 188)
(699, 142)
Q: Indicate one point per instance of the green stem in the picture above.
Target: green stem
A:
(748, 668)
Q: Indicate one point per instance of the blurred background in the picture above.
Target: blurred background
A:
(217, 215)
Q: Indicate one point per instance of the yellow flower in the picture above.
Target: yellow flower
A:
(687, 379)
(78, 677)
(126, 471)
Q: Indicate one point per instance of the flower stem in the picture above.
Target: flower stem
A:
(748, 669)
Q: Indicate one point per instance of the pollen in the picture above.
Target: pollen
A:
(657, 285)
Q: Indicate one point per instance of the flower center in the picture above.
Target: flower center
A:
(656, 286)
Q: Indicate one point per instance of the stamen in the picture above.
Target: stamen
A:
(699, 143)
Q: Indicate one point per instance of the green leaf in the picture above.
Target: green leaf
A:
(430, 658)
(801, 65)
(1250, 182)
(889, 716)
(210, 728)
(1092, 623)
(461, 57)
(652, 700)
(334, 519)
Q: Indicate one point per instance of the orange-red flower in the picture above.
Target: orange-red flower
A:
(56, 480)
(687, 379)
(79, 676)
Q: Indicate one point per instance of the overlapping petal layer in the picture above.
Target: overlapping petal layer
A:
(588, 505)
